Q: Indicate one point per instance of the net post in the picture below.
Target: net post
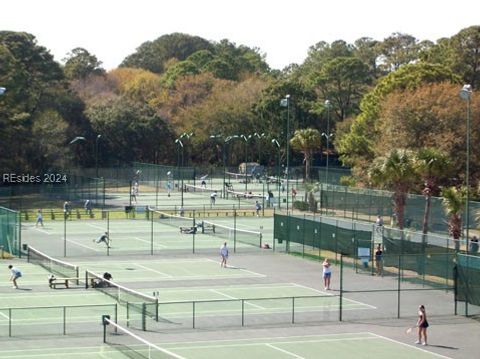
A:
(243, 312)
(193, 314)
(64, 320)
(116, 315)
(9, 322)
(104, 323)
(293, 310)
(86, 279)
(144, 317)
(128, 314)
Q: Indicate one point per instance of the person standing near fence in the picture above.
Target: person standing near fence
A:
(67, 209)
(88, 207)
(224, 255)
(327, 273)
(39, 218)
(473, 245)
(16, 273)
(422, 325)
(378, 259)
(258, 208)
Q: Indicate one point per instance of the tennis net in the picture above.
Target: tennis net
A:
(202, 190)
(131, 345)
(245, 195)
(51, 264)
(139, 302)
(233, 234)
(172, 220)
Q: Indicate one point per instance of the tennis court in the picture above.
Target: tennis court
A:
(348, 345)
(77, 237)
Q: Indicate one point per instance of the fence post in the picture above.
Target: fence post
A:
(193, 314)
(243, 312)
(455, 287)
(151, 233)
(340, 298)
(399, 284)
(293, 310)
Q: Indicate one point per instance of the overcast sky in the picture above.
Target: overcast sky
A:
(283, 30)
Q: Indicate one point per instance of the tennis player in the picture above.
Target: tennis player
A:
(16, 273)
(103, 238)
(422, 325)
(224, 255)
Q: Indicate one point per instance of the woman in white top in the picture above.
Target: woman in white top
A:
(224, 254)
(327, 273)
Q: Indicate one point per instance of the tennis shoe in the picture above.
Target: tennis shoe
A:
(418, 342)
(424, 344)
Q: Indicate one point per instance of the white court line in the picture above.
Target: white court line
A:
(351, 300)
(97, 227)
(284, 337)
(410, 346)
(259, 343)
(82, 245)
(42, 231)
(284, 351)
(4, 315)
(312, 289)
(150, 242)
(153, 270)
(244, 270)
(230, 297)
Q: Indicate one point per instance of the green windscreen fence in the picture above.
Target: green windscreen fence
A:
(427, 255)
(9, 232)
(366, 204)
(468, 279)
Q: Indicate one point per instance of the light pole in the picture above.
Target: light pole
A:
(327, 136)
(466, 94)
(259, 136)
(285, 102)
(246, 138)
(275, 142)
(96, 155)
(224, 141)
(178, 141)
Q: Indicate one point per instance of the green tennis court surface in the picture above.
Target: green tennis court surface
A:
(131, 236)
(351, 345)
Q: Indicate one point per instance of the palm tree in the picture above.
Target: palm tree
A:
(395, 171)
(432, 165)
(453, 204)
(306, 141)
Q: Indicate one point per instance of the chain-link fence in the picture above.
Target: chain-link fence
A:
(10, 237)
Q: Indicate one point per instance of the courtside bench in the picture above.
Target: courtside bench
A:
(188, 229)
(53, 283)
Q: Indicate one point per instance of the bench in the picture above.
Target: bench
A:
(188, 230)
(53, 283)
(208, 227)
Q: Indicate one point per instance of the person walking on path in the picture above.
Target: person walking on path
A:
(16, 273)
(327, 273)
(224, 255)
(103, 238)
(473, 245)
(422, 325)
(378, 259)
(39, 218)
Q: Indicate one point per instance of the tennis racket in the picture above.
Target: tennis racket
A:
(409, 330)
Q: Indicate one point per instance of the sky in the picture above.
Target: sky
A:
(283, 30)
